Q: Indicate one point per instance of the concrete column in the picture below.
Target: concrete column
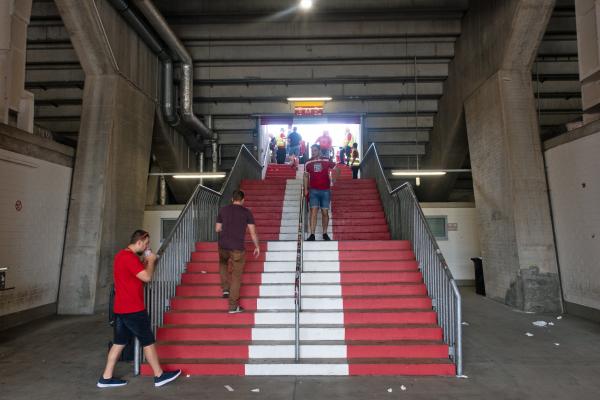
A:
(113, 151)
(519, 258)
(588, 46)
(109, 188)
(14, 19)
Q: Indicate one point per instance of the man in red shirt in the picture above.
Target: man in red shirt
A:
(131, 318)
(324, 142)
(318, 182)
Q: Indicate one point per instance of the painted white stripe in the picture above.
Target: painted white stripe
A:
(289, 228)
(265, 303)
(321, 290)
(276, 290)
(324, 255)
(325, 303)
(281, 246)
(297, 369)
(320, 246)
(277, 277)
(320, 266)
(280, 266)
(320, 277)
(281, 256)
(320, 334)
(289, 351)
(288, 236)
(306, 318)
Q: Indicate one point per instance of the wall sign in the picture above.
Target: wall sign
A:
(452, 226)
(18, 205)
(308, 108)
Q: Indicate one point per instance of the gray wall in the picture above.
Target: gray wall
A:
(575, 194)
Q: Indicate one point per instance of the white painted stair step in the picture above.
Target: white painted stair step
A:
(294, 369)
(306, 351)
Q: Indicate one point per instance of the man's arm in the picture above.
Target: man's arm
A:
(148, 272)
(218, 227)
(254, 236)
(335, 173)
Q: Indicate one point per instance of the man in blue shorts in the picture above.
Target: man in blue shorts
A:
(318, 181)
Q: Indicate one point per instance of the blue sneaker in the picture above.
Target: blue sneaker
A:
(166, 377)
(112, 382)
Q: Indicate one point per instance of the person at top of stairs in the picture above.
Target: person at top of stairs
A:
(318, 181)
(281, 142)
(354, 161)
(231, 225)
(324, 142)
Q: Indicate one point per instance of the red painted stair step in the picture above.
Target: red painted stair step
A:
(393, 303)
(232, 369)
(413, 333)
(209, 318)
(197, 303)
(384, 290)
(397, 317)
(354, 266)
(215, 290)
(398, 351)
(366, 255)
(429, 369)
(375, 245)
(380, 277)
(187, 334)
(202, 351)
(190, 278)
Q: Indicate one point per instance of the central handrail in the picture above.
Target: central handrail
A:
(196, 223)
(299, 270)
(407, 222)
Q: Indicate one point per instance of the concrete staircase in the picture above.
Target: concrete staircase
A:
(365, 307)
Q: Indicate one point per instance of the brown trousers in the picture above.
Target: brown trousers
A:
(232, 281)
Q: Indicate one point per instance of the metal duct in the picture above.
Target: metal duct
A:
(168, 97)
(186, 92)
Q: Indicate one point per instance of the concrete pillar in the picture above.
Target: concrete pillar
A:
(14, 19)
(588, 48)
(113, 151)
(520, 266)
(488, 99)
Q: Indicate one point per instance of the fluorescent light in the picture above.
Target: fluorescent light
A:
(306, 4)
(206, 175)
(309, 99)
(418, 173)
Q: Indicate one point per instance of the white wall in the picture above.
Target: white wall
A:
(152, 217)
(462, 244)
(31, 240)
(574, 180)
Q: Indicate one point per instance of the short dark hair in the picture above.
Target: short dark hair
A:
(237, 195)
(315, 146)
(355, 145)
(138, 235)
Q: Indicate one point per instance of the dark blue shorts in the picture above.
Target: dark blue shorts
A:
(132, 325)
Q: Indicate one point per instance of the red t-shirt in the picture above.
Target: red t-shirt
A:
(318, 172)
(129, 290)
(324, 142)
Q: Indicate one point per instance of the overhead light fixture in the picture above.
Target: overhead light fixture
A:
(426, 172)
(418, 173)
(309, 99)
(306, 4)
(191, 175)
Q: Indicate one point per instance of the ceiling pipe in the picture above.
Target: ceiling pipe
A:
(186, 92)
(168, 93)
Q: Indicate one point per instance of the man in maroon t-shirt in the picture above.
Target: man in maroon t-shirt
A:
(317, 180)
(131, 318)
(232, 222)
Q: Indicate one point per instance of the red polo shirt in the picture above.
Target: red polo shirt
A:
(129, 290)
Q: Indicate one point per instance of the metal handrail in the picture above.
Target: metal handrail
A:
(407, 222)
(299, 271)
(195, 224)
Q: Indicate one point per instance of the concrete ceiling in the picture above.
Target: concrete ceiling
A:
(250, 56)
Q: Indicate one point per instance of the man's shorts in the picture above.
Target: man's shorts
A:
(133, 325)
(320, 198)
(294, 151)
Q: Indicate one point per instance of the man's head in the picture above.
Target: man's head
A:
(237, 197)
(139, 241)
(295, 129)
(314, 150)
(355, 145)
(325, 133)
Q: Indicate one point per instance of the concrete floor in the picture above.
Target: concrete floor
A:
(62, 357)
